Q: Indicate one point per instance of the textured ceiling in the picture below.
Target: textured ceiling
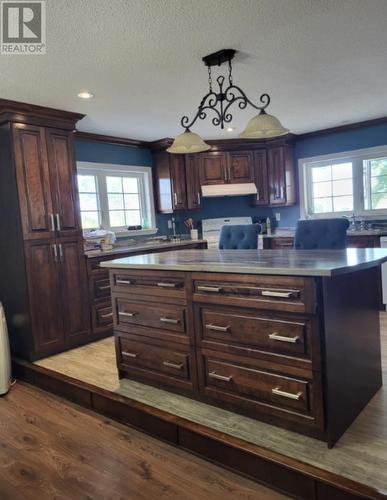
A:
(322, 61)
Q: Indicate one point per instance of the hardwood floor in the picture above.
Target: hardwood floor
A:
(360, 455)
(51, 449)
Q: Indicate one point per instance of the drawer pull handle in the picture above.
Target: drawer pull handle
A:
(172, 321)
(177, 366)
(123, 282)
(275, 293)
(217, 328)
(130, 354)
(223, 378)
(129, 315)
(290, 395)
(166, 285)
(281, 338)
(106, 287)
(213, 289)
(107, 315)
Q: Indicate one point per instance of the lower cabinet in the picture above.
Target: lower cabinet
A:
(57, 287)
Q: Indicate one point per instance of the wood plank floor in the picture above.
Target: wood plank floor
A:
(360, 455)
(52, 449)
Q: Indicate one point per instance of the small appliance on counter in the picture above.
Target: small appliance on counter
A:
(5, 355)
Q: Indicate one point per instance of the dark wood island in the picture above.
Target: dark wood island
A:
(288, 337)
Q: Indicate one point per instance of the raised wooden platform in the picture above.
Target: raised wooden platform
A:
(296, 465)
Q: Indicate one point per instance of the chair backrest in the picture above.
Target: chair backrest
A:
(321, 234)
(239, 237)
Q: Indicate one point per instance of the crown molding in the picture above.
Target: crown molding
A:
(110, 139)
(344, 128)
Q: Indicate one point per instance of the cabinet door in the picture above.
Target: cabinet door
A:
(163, 186)
(213, 168)
(43, 283)
(179, 193)
(193, 182)
(74, 290)
(240, 167)
(261, 181)
(33, 181)
(60, 147)
(277, 181)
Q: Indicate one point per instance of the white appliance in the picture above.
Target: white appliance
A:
(242, 189)
(5, 355)
(211, 229)
(383, 244)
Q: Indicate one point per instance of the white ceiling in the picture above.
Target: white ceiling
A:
(322, 61)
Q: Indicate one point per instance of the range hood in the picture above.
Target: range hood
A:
(214, 190)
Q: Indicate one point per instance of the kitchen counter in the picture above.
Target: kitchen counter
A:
(291, 232)
(279, 262)
(144, 246)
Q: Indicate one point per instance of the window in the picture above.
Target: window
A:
(115, 197)
(344, 184)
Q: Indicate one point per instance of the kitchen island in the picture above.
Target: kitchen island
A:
(288, 337)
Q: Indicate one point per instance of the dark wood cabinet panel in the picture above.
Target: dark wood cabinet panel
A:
(170, 182)
(260, 177)
(281, 176)
(42, 262)
(179, 194)
(194, 200)
(33, 181)
(240, 167)
(73, 289)
(63, 181)
(213, 168)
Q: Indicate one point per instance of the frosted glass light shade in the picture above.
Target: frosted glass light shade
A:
(263, 126)
(188, 142)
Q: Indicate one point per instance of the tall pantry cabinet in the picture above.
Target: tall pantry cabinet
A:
(43, 283)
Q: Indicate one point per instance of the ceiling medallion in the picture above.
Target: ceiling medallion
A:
(261, 126)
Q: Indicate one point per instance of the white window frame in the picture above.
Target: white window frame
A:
(101, 170)
(356, 157)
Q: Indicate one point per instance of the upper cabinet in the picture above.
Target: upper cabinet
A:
(194, 197)
(260, 178)
(213, 168)
(226, 167)
(46, 179)
(170, 182)
(240, 167)
(281, 176)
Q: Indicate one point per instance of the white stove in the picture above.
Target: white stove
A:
(211, 228)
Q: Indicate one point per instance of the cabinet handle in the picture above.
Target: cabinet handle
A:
(107, 287)
(172, 321)
(275, 293)
(52, 221)
(55, 250)
(61, 252)
(229, 173)
(281, 338)
(198, 199)
(166, 285)
(223, 378)
(123, 282)
(130, 354)
(126, 314)
(107, 315)
(225, 173)
(290, 395)
(177, 366)
(58, 226)
(175, 198)
(217, 328)
(258, 197)
(282, 193)
(212, 289)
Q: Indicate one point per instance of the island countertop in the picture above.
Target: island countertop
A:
(274, 262)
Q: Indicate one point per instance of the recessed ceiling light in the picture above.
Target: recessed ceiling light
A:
(85, 94)
(230, 129)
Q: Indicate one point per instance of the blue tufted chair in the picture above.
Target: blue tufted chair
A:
(321, 234)
(239, 237)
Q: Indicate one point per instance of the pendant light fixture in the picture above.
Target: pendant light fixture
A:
(261, 126)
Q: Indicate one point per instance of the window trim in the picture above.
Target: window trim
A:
(356, 157)
(146, 193)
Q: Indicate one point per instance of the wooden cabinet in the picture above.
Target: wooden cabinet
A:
(240, 167)
(213, 168)
(260, 178)
(170, 182)
(226, 167)
(194, 198)
(281, 176)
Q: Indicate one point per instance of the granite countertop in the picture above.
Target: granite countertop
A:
(152, 245)
(289, 233)
(279, 262)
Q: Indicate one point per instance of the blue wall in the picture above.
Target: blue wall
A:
(238, 206)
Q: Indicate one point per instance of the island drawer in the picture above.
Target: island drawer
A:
(219, 326)
(102, 317)
(246, 385)
(165, 363)
(146, 283)
(292, 294)
(160, 316)
(99, 286)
